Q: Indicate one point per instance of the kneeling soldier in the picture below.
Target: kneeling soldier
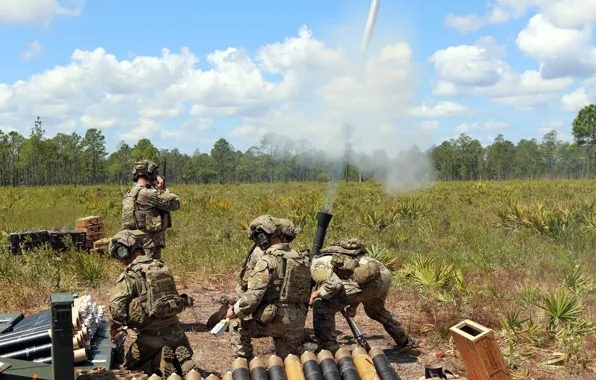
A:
(145, 300)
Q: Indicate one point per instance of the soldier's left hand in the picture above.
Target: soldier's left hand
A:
(351, 311)
(230, 314)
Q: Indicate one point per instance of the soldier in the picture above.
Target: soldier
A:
(145, 300)
(146, 207)
(274, 301)
(344, 278)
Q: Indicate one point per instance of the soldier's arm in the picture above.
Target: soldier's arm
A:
(257, 286)
(120, 297)
(328, 284)
(159, 199)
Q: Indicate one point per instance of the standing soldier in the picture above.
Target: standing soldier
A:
(145, 300)
(146, 207)
(344, 278)
(274, 293)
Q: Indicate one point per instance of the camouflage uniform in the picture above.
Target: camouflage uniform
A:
(264, 309)
(344, 277)
(147, 208)
(157, 342)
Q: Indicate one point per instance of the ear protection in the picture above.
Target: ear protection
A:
(120, 251)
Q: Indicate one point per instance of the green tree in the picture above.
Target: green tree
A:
(145, 150)
(94, 145)
(584, 131)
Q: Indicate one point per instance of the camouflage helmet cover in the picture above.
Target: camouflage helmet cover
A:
(351, 246)
(129, 238)
(273, 226)
(144, 167)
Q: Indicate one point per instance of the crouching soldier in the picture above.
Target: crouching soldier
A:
(274, 293)
(344, 278)
(145, 300)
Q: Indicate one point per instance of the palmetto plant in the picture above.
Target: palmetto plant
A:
(383, 255)
(561, 307)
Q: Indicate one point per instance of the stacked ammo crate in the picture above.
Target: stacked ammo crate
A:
(92, 226)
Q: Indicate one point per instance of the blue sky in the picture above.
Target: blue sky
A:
(296, 88)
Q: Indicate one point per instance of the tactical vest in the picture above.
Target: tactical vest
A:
(145, 220)
(292, 284)
(129, 209)
(158, 296)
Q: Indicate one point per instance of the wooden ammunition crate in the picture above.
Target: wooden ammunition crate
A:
(101, 245)
(91, 229)
(27, 240)
(89, 221)
(480, 351)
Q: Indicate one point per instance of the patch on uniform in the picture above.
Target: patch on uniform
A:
(320, 274)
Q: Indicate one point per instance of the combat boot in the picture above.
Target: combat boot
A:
(168, 357)
(184, 358)
(408, 344)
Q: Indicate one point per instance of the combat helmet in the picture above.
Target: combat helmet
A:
(145, 168)
(124, 243)
(288, 229)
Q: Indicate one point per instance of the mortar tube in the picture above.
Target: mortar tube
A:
(328, 365)
(257, 369)
(293, 368)
(30, 340)
(364, 364)
(275, 367)
(240, 369)
(210, 377)
(323, 220)
(310, 366)
(382, 365)
(30, 352)
(346, 365)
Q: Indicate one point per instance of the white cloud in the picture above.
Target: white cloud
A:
(563, 13)
(33, 51)
(581, 97)
(34, 12)
(489, 125)
(440, 109)
(479, 71)
(561, 51)
(554, 125)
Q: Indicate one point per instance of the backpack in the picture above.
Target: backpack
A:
(159, 296)
(296, 283)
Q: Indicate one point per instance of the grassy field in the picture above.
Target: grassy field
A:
(515, 256)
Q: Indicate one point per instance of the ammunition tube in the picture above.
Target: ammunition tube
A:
(310, 366)
(47, 360)
(364, 364)
(328, 366)
(80, 355)
(258, 370)
(154, 377)
(382, 365)
(240, 369)
(293, 368)
(346, 365)
(21, 333)
(210, 377)
(276, 368)
(24, 341)
(194, 375)
(174, 376)
(228, 376)
(30, 352)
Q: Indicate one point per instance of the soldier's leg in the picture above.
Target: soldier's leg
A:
(154, 252)
(240, 338)
(374, 307)
(181, 348)
(288, 331)
(324, 325)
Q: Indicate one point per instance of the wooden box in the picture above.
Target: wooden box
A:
(89, 221)
(480, 351)
(91, 229)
